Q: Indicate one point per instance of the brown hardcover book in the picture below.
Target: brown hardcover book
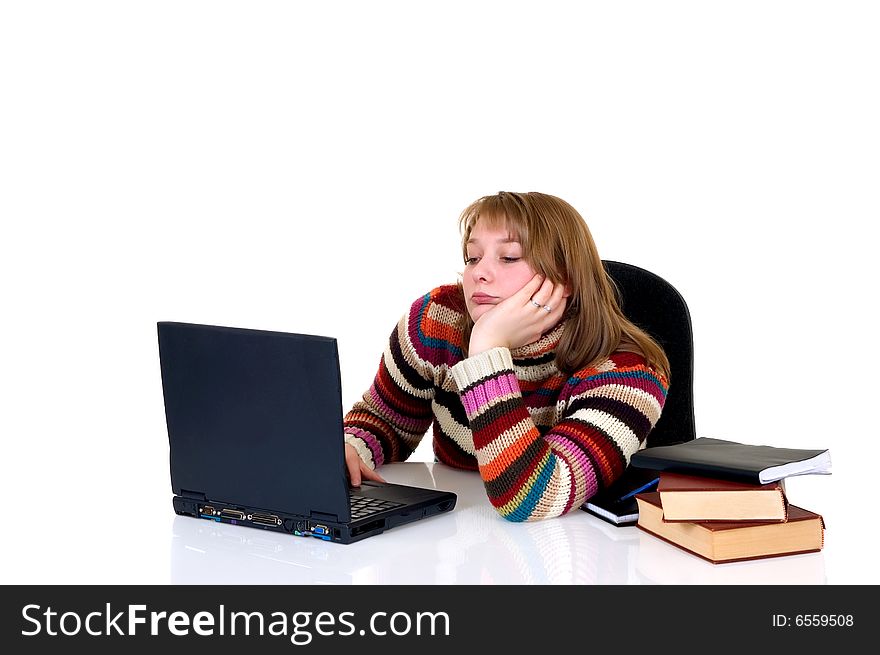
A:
(732, 541)
(699, 498)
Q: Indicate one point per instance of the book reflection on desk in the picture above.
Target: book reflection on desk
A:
(658, 562)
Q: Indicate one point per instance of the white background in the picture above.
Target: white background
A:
(301, 167)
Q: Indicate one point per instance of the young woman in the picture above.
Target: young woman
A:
(527, 369)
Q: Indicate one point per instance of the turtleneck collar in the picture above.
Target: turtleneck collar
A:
(547, 343)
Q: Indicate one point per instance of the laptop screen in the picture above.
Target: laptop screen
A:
(254, 418)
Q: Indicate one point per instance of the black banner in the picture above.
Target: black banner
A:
(429, 619)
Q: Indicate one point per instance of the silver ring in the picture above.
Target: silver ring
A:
(548, 308)
(536, 303)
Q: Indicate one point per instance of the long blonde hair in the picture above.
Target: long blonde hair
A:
(557, 243)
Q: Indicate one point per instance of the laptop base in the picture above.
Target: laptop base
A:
(326, 529)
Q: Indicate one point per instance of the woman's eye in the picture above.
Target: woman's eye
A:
(470, 261)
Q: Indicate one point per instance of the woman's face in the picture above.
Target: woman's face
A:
(494, 269)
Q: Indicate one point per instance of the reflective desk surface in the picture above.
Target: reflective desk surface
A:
(470, 545)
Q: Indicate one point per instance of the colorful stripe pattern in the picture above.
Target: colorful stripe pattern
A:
(542, 442)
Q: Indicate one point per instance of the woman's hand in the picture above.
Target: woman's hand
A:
(358, 469)
(520, 319)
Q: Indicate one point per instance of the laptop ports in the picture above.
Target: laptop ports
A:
(265, 519)
(207, 510)
(316, 530)
(319, 530)
(233, 514)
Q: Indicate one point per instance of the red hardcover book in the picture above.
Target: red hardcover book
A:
(699, 498)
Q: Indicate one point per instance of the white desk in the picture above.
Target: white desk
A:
(470, 545)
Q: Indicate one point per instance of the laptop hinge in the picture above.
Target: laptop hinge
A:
(321, 516)
(193, 495)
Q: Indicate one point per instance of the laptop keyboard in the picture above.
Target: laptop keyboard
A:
(362, 506)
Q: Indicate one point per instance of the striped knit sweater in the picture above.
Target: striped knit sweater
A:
(543, 442)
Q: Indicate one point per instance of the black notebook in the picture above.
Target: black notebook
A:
(617, 503)
(735, 461)
(255, 433)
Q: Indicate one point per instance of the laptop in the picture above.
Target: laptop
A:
(255, 431)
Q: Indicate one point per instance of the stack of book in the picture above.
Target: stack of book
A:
(726, 501)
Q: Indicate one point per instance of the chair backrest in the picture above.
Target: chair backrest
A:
(659, 309)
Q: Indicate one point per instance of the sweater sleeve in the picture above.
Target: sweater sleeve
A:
(391, 418)
(528, 476)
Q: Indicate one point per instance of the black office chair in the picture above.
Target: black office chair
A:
(659, 309)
